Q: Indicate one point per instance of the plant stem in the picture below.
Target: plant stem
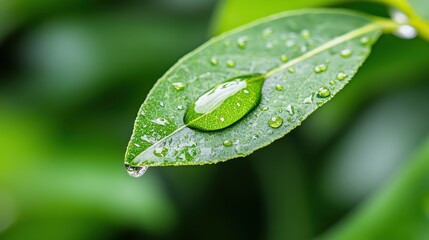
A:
(415, 20)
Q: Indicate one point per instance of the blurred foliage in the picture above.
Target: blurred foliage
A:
(231, 14)
(73, 74)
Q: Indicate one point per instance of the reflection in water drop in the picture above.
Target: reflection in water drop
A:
(160, 152)
(160, 121)
(308, 99)
(227, 143)
(305, 34)
(242, 42)
(214, 61)
(216, 96)
(135, 171)
(179, 86)
(320, 68)
(275, 122)
(346, 53)
(284, 58)
(230, 63)
(225, 103)
(364, 40)
(341, 76)
(323, 93)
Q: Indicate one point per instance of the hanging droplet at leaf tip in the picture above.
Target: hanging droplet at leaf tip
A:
(135, 171)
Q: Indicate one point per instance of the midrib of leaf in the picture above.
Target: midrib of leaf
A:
(326, 46)
(336, 41)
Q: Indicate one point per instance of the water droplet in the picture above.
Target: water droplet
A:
(308, 99)
(222, 119)
(180, 107)
(305, 34)
(230, 63)
(214, 61)
(332, 82)
(179, 86)
(320, 68)
(135, 171)
(323, 93)
(284, 58)
(220, 101)
(290, 43)
(346, 53)
(160, 152)
(290, 109)
(341, 76)
(160, 121)
(364, 40)
(267, 32)
(291, 70)
(275, 122)
(161, 104)
(398, 16)
(227, 143)
(264, 108)
(279, 87)
(406, 31)
(242, 42)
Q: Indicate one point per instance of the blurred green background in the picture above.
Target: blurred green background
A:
(73, 74)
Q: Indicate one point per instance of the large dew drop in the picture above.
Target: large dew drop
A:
(135, 171)
(226, 103)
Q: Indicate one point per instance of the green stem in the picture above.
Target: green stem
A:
(415, 20)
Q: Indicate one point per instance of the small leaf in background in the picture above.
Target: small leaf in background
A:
(229, 14)
(301, 59)
(421, 7)
(399, 211)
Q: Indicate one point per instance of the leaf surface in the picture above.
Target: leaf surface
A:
(310, 54)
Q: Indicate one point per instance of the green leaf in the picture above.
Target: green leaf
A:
(306, 57)
(399, 211)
